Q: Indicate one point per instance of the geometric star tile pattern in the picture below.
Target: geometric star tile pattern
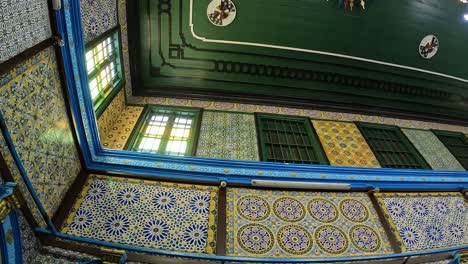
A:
(122, 128)
(10, 163)
(263, 223)
(158, 215)
(426, 220)
(344, 144)
(433, 151)
(97, 17)
(33, 105)
(228, 135)
(23, 24)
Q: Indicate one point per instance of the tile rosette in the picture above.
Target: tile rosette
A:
(282, 224)
(422, 221)
(150, 214)
(344, 144)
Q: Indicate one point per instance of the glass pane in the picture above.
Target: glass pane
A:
(89, 61)
(93, 88)
(149, 145)
(176, 147)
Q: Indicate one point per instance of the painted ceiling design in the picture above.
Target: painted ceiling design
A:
(177, 45)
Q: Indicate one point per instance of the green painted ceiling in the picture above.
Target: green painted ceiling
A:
(306, 52)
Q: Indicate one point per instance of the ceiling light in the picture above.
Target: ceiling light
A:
(464, 1)
(466, 17)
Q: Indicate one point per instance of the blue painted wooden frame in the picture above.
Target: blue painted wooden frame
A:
(208, 169)
(11, 221)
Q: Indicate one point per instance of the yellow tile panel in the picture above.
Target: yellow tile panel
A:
(344, 144)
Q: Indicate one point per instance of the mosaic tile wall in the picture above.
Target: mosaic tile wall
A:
(264, 223)
(97, 17)
(313, 114)
(433, 150)
(6, 154)
(344, 144)
(149, 214)
(106, 121)
(426, 220)
(122, 128)
(30, 244)
(33, 106)
(25, 22)
(122, 9)
(228, 136)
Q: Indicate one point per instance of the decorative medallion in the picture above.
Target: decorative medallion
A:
(429, 46)
(331, 239)
(294, 239)
(364, 238)
(221, 12)
(323, 210)
(354, 210)
(289, 209)
(255, 238)
(253, 208)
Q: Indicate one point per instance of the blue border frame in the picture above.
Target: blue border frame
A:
(208, 169)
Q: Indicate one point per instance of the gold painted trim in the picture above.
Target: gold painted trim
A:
(9, 204)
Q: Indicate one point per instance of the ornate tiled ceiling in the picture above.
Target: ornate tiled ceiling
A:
(304, 53)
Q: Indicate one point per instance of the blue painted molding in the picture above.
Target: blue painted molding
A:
(246, 259)
(11, 253)
(208, 169)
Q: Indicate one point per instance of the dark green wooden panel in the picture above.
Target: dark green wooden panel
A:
(169, 60)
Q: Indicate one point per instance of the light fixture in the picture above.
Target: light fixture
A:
(464, 1)
(301, 185)
(466, 17)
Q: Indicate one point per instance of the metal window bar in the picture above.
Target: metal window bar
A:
(389, 148)
(287, 141)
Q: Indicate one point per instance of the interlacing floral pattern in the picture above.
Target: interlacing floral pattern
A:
(323, 210)
(331, 239)
(364, 238)
(354, 210)
(148, 214)
(255, 238)
(426, 220)
(289, 209)
(253, 208)
(302, 224)
(295, 239)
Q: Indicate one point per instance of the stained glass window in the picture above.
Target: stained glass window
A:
(103, 67)
(168, 131)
